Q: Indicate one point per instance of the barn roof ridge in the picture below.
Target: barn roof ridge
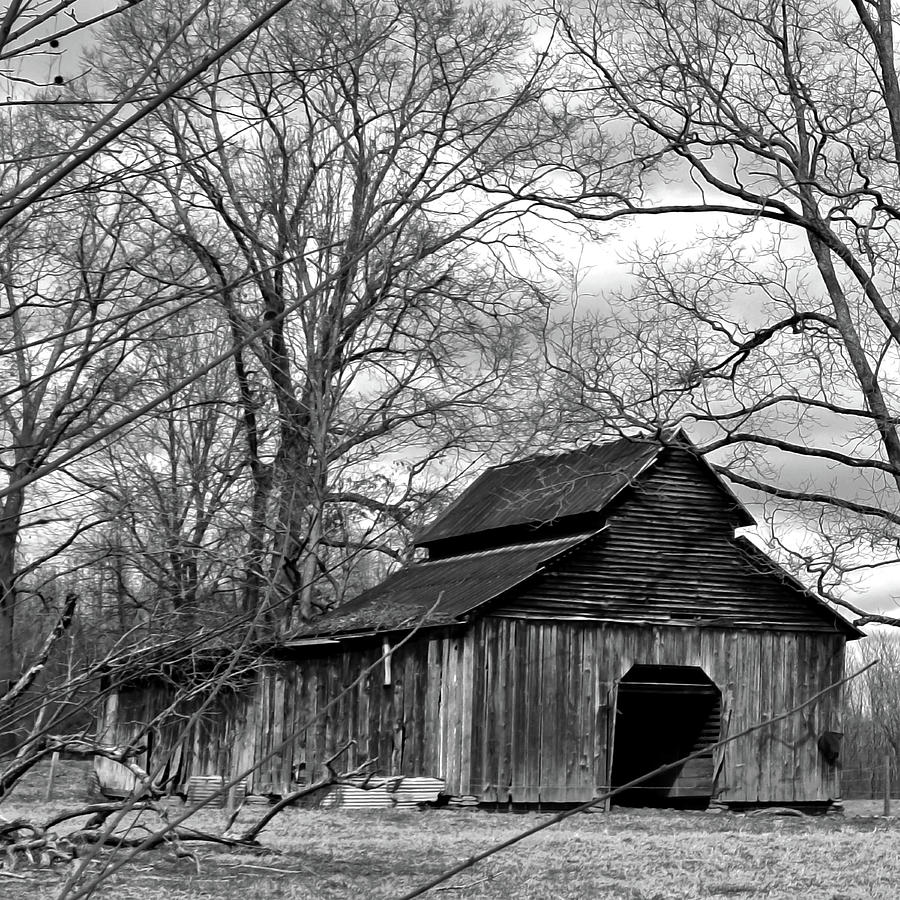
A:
(638, 438)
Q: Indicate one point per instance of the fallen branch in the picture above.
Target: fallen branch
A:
(308, 869)
(22, 839)
(98, 812)
(330, 779)
(174, 834)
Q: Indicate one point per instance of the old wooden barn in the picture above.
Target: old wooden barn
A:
(579, 619)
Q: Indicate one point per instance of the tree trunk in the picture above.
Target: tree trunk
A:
(9, 532)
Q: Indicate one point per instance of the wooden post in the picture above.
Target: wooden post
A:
(887, 784)
(54, 761)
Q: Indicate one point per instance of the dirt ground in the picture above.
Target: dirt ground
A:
(628, 855)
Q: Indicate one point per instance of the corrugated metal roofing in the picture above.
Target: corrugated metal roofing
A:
(544, 488)
(440, 592)
(670, 554)
(394, 792)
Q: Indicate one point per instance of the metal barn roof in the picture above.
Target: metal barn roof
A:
(544, 489)
(669, 555)
(441, 592)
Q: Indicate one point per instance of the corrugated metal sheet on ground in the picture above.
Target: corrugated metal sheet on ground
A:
(544, 488)
(464, 800)
(201, 787)
(383, 793)
(238, 793)
(452, 586)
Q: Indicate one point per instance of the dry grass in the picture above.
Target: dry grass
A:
(625, 856)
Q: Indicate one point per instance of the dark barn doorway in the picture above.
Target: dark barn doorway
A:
(662, 713)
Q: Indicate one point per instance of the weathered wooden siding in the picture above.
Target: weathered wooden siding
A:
(182, 739)
(542, 694)
(398, 723)
(669, 553)
(508, 709)
(518, 709)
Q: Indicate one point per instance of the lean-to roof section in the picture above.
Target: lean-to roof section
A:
(442, 592)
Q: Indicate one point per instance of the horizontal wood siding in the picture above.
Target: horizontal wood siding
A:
(669, 554)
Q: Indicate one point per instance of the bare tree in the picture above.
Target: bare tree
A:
(246, 332)
(69, 322)
(324, 182)
(776, 330)
(307, 299)
(872, 723)
(173, 492)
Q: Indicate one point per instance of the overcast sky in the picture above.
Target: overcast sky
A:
(603, 267)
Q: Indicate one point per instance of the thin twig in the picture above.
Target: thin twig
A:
(307, 869)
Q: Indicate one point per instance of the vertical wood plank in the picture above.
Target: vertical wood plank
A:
(420, 713)
(773, 674)
(571, 663)
(286, 717)
(454, 711)
(470, 657)
(605, 668)
(395, 727)
(550, 717)
(484, 707)
(591, 678)
(448, 759)
(480, 709)
(432, 762)
(503, 710)
(531, 749)
(519, 713)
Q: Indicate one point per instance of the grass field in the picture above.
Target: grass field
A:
(638, 855)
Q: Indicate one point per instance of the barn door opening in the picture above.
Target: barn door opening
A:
(663, 713)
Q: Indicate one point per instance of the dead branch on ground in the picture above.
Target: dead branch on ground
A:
(41, 845)
(330, 779)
